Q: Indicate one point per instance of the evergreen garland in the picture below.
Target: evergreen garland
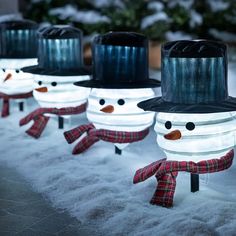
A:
(128, 15)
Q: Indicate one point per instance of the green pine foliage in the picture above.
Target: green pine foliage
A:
(129, 14)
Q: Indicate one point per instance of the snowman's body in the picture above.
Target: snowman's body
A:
(203, 136)
(12, 79)
(59, 91)
(116, 110)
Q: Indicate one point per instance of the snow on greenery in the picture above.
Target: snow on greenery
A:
(157, 6)
(106, 3)
(187, 4)
(178, 35)
(70, 12)
(159, 15)
(150, 20)
(195, 19)
(218, 5)
(9, 17)
(223, 35)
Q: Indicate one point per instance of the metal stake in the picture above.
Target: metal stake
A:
(60, 122)
(118, 151)
(194, 182)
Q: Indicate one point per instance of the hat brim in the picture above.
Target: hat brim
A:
(150, 83)
(85, 70)
(159, 105)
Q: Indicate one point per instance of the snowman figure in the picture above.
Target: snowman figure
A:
(60, 64)
(120, 81)
(195, 123)
(18, 48)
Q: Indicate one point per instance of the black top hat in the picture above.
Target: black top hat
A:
(18, 39)
(120, 60)
(59, 52)
(194, 79)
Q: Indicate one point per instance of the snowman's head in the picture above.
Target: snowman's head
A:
(116, 109)
(12, 78)
(59, 91)
(11, 68)
(195, 137)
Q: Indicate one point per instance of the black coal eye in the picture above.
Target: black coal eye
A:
(17, 71)
(190, 126)
(101, 101)
(3, 70)
(39, 82)
(121, 102)
(54, 83)
(168, 125)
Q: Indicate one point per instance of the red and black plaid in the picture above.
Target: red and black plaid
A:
(164, 193)
(6, 98)
(40, 121)
(167, 171)
(94, 135)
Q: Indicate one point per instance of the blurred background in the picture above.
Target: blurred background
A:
(160, 21)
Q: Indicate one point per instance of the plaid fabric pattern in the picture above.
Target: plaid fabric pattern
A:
(164, 193)
(147, 171)
(6, 104)
(167, 171)
(40, 121)
(94, 135)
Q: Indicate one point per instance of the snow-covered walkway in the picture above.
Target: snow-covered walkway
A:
(97, 187)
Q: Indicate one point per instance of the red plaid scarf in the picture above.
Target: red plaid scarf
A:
(40, 121)
(6, 104)
(94, 135)
(167, 171)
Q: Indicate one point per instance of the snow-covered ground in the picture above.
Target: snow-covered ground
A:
(97, 187)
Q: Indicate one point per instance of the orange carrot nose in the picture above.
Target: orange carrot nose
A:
(174, 135)
(108, 109)
(42, 89)
(8, 76)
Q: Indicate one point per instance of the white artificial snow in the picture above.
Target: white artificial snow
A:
(87, 17)
(96, 186)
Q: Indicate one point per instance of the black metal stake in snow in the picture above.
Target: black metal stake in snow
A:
(194, 183)
(118, 151)
(60, 122)
(21, 106)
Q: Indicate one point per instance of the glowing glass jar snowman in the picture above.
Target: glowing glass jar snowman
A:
(196, 118)
(12, 79)
(120, 80)
(60, 64)
(18, 48)
(188, 137)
